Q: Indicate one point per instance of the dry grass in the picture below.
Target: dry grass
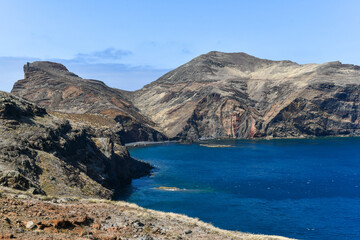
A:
(155, 223)
(95, 120)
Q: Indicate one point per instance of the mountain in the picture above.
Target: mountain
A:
(52, 86)
(46, 154)
(216, 95)
(235, 95)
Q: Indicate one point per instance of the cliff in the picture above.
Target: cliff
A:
(52, 86)
(235, 95)
(46, 154)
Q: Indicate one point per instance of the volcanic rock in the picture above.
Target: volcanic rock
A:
(235, 95)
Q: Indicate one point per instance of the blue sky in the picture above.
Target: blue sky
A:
(130, 43)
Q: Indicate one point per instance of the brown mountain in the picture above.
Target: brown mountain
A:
(216, 95)
(235, 95)
(52, 86)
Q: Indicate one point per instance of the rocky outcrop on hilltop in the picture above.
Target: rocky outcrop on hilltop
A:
(52, 86)
(45, 154)
(235, 95)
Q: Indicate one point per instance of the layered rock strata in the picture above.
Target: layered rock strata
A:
(235, 95)
(52, 86)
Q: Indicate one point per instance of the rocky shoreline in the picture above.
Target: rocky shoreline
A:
(51, 155)
(144, 144)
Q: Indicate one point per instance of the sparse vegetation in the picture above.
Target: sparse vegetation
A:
(71, 217)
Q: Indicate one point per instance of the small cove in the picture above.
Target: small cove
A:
(301, 188)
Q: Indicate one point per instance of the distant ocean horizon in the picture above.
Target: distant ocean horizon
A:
(299, 188)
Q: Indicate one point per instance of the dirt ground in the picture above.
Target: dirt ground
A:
(26, 216)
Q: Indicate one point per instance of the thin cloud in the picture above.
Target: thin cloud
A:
(107, 55)
(119, 76)
(186, 51)
(122, 76)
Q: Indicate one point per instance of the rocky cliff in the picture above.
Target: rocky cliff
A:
(216, 95)
(235, 95)
(46, 154)
(52, 86)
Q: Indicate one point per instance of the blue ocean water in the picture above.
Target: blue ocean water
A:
(300, 188)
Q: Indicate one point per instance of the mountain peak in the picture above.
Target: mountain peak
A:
(47, 66)
(44, 65)
(240, 59)
(228, 56)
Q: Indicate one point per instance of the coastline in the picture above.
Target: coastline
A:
(293, 168)
(209, 141)
(145, 144)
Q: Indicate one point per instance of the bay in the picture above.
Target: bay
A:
(300, 188)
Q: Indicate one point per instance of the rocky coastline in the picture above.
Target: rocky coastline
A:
(64, 139)
(50, 155)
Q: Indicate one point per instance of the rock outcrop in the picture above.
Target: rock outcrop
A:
(235, 95)
(52, 86)
(46, 154)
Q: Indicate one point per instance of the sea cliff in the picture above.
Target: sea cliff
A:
(47, 154)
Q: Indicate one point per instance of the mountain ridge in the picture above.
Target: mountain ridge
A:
(229, 95)
(259, 86)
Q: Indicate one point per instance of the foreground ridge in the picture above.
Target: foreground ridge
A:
(46, 154)
(34, 217)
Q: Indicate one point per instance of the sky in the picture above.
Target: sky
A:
(128, 44)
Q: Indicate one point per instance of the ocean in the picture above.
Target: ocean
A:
(300, 188)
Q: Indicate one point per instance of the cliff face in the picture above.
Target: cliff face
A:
(235, 95)
(52, 86)
(45, 154)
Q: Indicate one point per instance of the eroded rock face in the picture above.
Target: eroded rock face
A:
(52, 86)
(46, 154)
(235, 95)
